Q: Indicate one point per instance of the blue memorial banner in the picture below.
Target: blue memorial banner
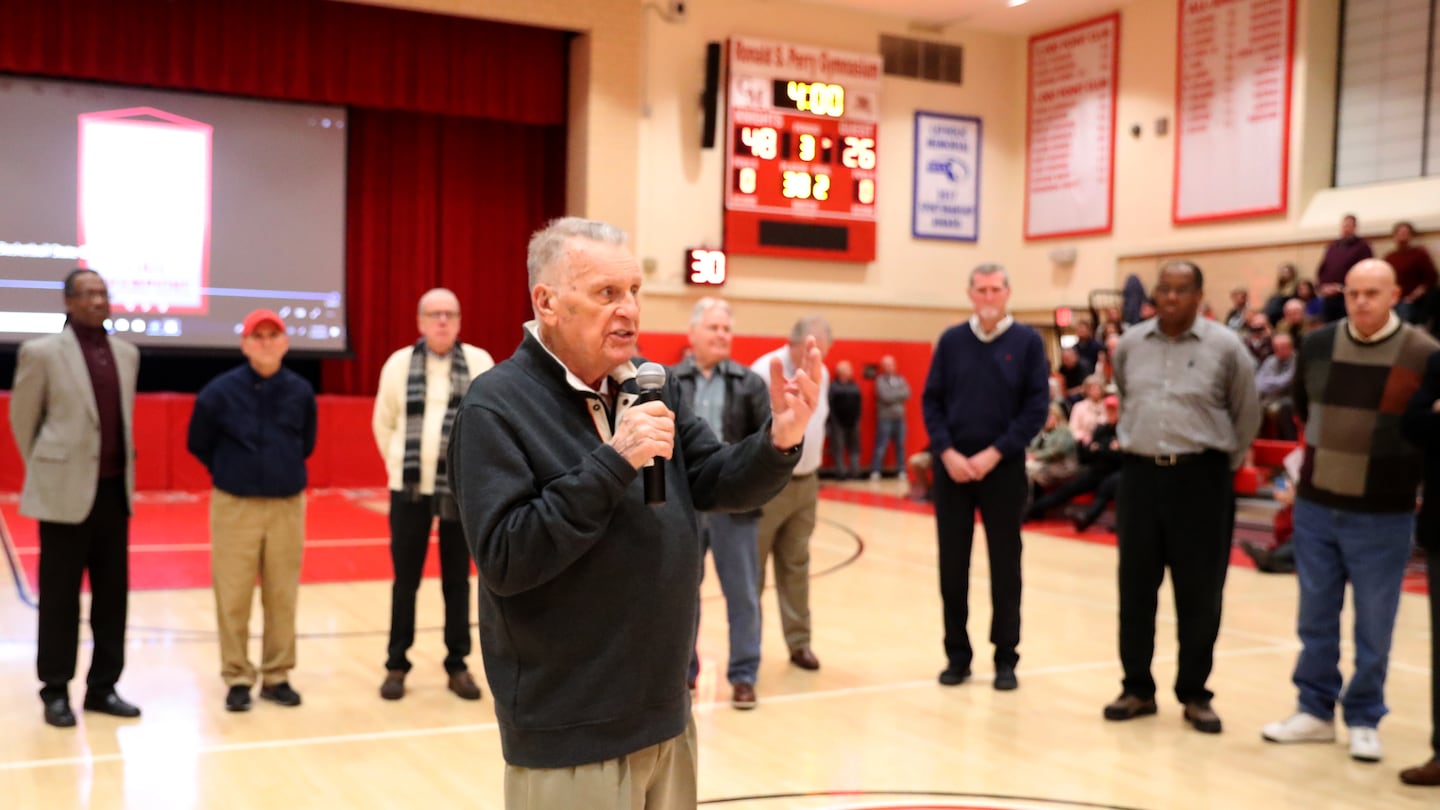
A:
(946, 200)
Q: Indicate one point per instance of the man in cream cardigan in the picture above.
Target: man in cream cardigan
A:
(420, 388)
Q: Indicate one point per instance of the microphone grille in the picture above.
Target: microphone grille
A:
(650, 375)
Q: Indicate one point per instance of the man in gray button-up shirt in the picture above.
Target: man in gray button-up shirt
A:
(1188, 414)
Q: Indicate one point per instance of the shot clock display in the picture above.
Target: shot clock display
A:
(801, 154)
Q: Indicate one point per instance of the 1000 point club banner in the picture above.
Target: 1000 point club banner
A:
(801, 153)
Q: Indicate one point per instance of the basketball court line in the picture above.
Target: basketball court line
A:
(372, 736)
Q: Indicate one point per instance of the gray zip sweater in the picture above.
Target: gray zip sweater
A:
(588, 597)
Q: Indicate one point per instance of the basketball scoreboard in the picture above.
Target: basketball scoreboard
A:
(800, 156)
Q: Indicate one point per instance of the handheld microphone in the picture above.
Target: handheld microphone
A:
(651, 379)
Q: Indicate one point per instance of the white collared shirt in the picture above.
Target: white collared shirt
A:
(1392, 325)
(616, 377)
(987, 337)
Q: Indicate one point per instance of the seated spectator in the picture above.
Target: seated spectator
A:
(1273, 382)
(1256, 337)
(1111, 329)
(919, 467)
(1073, 372)
(1414, 272)
(1278, 558)
(1088, 413)
(1057, 394)
(1147, 309)
(1100, 461)
(1314, 304)
(1050, 459)
(1239, 309)
(1106, 368)
(1286, 279)
(1292, 321)
(1085, 343)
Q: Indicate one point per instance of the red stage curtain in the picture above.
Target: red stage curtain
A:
(441, 202)
(299, 50)
(457, 139)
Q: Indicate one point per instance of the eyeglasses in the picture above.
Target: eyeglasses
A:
(450, 314)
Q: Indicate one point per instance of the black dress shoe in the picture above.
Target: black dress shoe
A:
(281, 693)
(58, 713)
(238, 698)
(111, 704)
(1005, 679)
(950, 676)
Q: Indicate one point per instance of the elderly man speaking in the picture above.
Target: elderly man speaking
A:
(588, 593)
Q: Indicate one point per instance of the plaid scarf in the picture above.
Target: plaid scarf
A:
(444, 504)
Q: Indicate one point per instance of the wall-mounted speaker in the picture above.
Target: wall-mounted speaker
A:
(710, 99)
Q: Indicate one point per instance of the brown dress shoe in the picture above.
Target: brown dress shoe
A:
(1129, 707)
(804, 659)
(1199, 714)
(462, 684)
(394, 686)
(743, 696)
(1427, 775)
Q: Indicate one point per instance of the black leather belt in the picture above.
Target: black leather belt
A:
(1173, 459)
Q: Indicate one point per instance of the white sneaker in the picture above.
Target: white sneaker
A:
(1300, 727)
(1365, 744)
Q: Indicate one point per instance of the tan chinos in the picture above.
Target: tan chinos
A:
(661, 777)
(250, 537)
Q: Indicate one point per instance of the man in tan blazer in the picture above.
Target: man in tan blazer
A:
(71, 410)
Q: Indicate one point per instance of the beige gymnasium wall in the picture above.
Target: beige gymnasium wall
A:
(636, 160)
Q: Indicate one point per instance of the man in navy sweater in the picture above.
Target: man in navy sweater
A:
(253, 427)
(588, 593)
(986, 397)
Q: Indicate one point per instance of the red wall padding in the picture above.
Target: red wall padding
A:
(912, 360)
(345, 454)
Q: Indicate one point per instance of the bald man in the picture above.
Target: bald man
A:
(1354, 505)
(421, 386)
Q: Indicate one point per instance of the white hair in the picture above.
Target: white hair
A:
(548, 244)
(706, 304)
(990, 269)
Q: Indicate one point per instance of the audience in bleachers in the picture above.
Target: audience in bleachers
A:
(1073, 371)
(1414, 271)
(1050, 458)
(1273, 382)
(1099, 473)
(1239, 309)
(1256, 336)
(1287, 279)
(1088, 413)
(1086, 345)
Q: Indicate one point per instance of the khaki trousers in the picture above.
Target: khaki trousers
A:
(252, 537)
(661, 777)
(786, 524)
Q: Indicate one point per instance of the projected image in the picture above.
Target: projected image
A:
(195, 209)
(145, 207)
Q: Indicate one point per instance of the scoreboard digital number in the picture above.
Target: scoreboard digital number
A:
(800, 156)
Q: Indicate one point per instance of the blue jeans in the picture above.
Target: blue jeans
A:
(885, 431)
(1370, 551)
(734, 540)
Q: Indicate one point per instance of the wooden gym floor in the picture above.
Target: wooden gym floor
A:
(871, 729)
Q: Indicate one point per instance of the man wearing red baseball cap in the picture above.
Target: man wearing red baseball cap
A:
(253, 427)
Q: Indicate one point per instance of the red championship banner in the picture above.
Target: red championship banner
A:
(1232, 144)
(1070, 131)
